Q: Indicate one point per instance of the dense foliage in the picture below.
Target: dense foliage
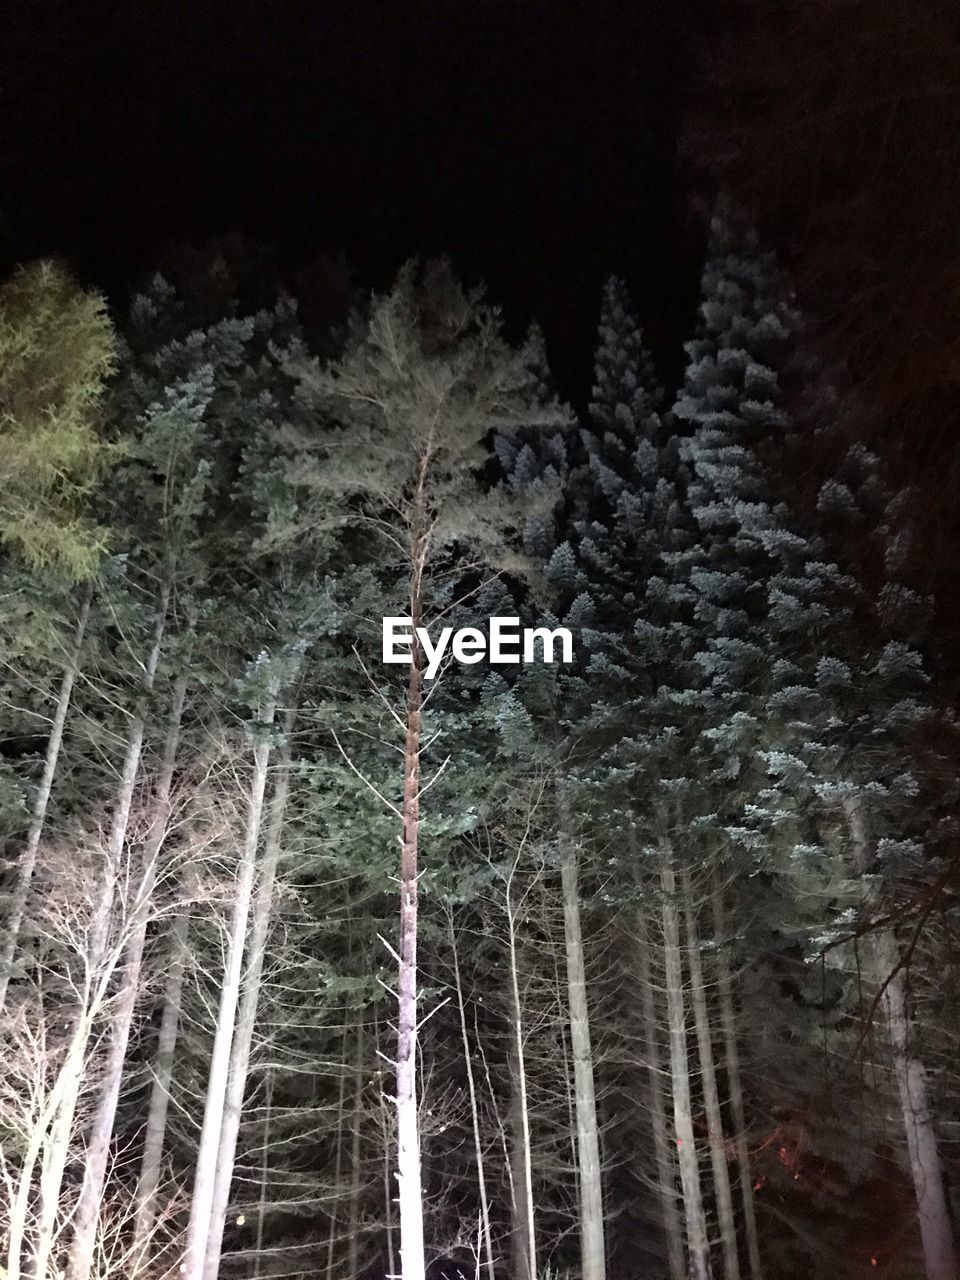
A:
(677, 980)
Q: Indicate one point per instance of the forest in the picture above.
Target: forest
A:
(640, 966)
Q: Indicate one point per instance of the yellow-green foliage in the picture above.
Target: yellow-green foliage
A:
(56, 351)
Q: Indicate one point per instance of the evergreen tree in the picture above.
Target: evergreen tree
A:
(56, 351)
(423, 379)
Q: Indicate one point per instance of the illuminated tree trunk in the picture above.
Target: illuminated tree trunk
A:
(731, 1051)
(338, 1163)
(353, 1260)
(247, 1013)
(264, 1176)
(28, 856)
(206, 1167)
(708, 1081)
(698, 1246)
(410, 1192)
(923, 1149)
(524, 1217)
(474, 1111)
(163, 1063)
(87, 1212)
(592, 1255)
(664, 1153)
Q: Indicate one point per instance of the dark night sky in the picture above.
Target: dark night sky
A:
(534, 142)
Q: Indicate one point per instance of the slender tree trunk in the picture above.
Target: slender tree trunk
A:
(87, 1212)
(409, 1175)
(163, 1063)
(264, 1176)
(247, 1015)
(28, 856)
(338, 1162)
(923, 1149)
(735, 1086)
(474, 1110)
(561, 996)
(61, 1130)
(354, 1219)
(711, 1096)
(664, 1153)
(206, 1168)
(525, 1239)
(387, 1145)
(521, 1204)
(592, 1252)
(697, 1242)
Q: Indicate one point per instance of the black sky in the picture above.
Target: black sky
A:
(534, 142)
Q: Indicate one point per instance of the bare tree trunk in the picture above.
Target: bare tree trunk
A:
(264, 1176)
(58, 1146)
(247, 1015)
(561, 996)
(354, 1219)
(163, 1063)
(697, 1242)
(521, 1203)
(206, 1169)
(926, 1165)
(87, 1212)
(592, 1252)
(387, 1145)
(711, 1096)
(474, 1110)
(664, 1153)
(525, 1238)
(28, 856)
(735, 1086)
(409, 1175)
(338, 1163)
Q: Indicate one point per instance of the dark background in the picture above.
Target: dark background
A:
(536, 143)
(540, 143)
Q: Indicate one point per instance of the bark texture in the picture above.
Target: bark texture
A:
(206, 1168)
(698, 1247)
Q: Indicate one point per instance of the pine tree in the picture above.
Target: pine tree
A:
(423, 379)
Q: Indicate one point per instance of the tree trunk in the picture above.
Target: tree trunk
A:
(247, 1015)
(735, 1086)
(711, 1096)
(409, 1177)
(264, 1176)
(524, 1224)
(474, 1111)
(28, 856)
(592, 1253)
(206, 1169)
(521, 1204)
(697, 1242)
(155, 1132)
(87, 1212)
(665, 1155)
(926, 1165)
(353, 1255)
(338, 1162)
